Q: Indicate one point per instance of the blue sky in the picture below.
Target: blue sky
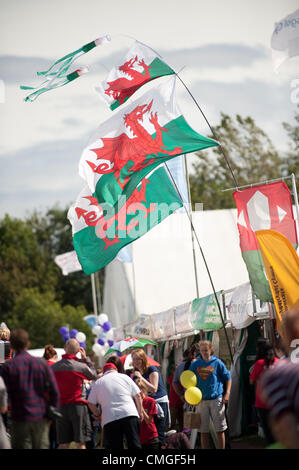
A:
(222, 47)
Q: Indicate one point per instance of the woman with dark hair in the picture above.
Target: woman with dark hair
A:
(50, 354)
(265, 361)
(151, 377)
(116, 361)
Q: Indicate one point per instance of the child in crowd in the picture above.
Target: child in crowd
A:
(5, 348)
(148, 431)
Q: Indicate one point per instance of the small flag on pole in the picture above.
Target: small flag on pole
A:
(68, 262)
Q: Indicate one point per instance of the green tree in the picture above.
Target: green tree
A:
(42, 316)
(251, 155)
(54, 236)
(22, 263)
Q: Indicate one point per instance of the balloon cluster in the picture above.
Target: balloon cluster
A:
(78, 335)
(103, 335)
(193, 394)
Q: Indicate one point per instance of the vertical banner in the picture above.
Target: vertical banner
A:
(239, 305)
(263, 207)
(282, 268)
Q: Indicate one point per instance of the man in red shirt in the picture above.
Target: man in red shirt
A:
(148, 432)
(259, 369)
(70, 373)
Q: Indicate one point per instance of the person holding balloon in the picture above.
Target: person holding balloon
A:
(151, 377)
(211, 374)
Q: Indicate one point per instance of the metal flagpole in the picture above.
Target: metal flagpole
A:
(192, 234)
(258, 184)
(295, 196)
(94, 298)
(205, 262)
(211, 129)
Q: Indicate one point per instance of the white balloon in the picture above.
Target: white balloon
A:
(97, 330)
(96, 349)
(102, 318)
(109, 335)
(80, 337)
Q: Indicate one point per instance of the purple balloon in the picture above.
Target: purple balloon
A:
(118, 354)
(101, 341)
(83, 345)
(73, 333)
(110, 342)
(64, 330)
(107, 326)
(65, 338)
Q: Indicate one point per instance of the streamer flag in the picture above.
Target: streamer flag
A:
(282, 268)
(57, 75)
(100, 231)
(261, 207)
(141, 65)
(134, 141)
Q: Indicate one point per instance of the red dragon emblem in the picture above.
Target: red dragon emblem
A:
(123, 87)
(122, 149)
(132, 205)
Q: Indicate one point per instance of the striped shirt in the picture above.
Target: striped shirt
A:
(29, 380)
(280, 387)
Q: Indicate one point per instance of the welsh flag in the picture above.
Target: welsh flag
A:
(134, 141)
(140, 65)
(263, 207)
(99, 232)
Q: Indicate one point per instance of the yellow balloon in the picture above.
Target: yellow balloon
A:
(188, 379)
(193, 395)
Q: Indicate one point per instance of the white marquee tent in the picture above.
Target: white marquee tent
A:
(162, 274)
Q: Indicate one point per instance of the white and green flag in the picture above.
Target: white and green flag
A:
(139, 66)
(134, 141)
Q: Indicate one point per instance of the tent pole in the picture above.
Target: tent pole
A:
(205, 262)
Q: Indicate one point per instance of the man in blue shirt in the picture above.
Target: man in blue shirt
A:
(211, 375)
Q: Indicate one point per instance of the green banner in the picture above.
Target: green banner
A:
(205, 313)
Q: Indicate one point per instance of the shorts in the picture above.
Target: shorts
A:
(75, 426)
(215, 410)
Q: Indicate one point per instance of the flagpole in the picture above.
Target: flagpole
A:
(205, 262)
(295, 196)
(93, 294)
(257, 184)
(211, 129)
(192, 235)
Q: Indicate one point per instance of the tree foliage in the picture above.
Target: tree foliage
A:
(251, 156)
(34, 294)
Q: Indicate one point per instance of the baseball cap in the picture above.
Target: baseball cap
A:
(109, 365)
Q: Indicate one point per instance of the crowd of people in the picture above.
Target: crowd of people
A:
(46, 403)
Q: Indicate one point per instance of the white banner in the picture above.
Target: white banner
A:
(68, 262)
(163, 324)
(239, 306)
(181, 318)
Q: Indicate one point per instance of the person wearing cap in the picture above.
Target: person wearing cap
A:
(121, 405)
